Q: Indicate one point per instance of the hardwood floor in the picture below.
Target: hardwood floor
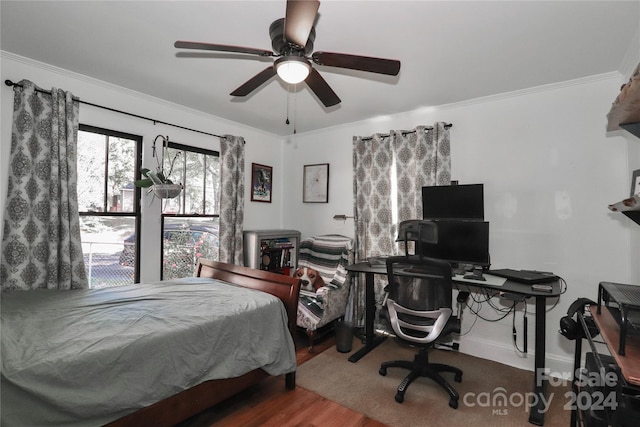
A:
(270, 403)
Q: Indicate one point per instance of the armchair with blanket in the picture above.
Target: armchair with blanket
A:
(329, 255)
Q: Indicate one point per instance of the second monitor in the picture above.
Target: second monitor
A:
(460, 243)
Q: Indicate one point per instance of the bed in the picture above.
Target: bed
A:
(145, 354)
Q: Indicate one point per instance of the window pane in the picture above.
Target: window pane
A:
(200, 175)
(121, 175)
(194, 185)
(91, 162)
(185, 240)
(109, 246)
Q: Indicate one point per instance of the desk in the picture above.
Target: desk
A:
(539, 387)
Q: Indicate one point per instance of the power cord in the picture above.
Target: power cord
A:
(474, 303)
(563, 289)
(488, 296)
(522, 351)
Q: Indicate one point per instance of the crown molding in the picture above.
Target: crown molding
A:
(476, 101)
(120, 89)
(532, 90)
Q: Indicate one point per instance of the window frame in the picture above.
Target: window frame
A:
(192, 149)
(137, 202)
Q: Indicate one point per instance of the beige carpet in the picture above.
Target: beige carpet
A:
(360, 387)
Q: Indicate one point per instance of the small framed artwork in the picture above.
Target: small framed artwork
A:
(261, 183)
(315, 185)
(635, 182)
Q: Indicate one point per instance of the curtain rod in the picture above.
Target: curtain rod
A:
(386, 135)
(10, 83)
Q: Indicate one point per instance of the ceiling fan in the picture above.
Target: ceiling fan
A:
(292, 40)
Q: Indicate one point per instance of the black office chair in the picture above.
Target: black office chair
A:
(419, 308)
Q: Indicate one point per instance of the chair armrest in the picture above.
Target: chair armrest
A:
(322, 293)
(330, 295)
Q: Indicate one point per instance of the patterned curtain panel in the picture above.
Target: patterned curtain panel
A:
(389, 173)
(41, 245)
(231, 199)
(423, 158)
(372, 162)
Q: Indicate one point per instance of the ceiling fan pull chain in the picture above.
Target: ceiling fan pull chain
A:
(287, 99)
(295, 107)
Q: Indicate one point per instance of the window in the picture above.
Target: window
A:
(190, 222)
(109, 205)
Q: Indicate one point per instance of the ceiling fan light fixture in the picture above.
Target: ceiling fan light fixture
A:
(292, 69)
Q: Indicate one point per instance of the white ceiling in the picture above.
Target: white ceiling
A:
(450, 51)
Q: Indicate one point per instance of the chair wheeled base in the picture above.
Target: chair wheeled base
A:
(420, 367)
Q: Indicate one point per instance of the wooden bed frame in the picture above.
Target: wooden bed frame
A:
(177, 408)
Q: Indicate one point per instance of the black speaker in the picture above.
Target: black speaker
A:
(569, 328)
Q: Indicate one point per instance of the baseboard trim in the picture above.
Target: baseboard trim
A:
(557, 366)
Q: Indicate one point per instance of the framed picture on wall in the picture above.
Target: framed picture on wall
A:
(261, 183)
(315, 185)
(635, 182)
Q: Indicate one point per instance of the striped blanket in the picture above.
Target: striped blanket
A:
(330, 255)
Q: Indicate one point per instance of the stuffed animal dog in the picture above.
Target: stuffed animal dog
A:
(310, 278)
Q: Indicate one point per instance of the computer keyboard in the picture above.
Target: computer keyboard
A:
(488, 280)
(377, 261)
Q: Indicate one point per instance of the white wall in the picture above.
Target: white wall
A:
(549, 170)
(260, 147)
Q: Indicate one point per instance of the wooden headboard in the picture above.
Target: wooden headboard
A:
(284, 287)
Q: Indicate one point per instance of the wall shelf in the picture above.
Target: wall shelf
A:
(633, 216)
(625, 114)
(625, 110)
(633, 128)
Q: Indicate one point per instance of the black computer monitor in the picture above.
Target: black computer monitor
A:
(460, 243)
(464, 201)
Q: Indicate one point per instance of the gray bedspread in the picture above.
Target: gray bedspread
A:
(88, 357)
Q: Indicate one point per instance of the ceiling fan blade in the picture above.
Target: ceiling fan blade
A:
(299, 19)
(222, 48)
(390, 67)
(321, 88)
(254, 82)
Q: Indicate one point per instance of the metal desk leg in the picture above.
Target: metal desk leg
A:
(371, 341)
(539, 382)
